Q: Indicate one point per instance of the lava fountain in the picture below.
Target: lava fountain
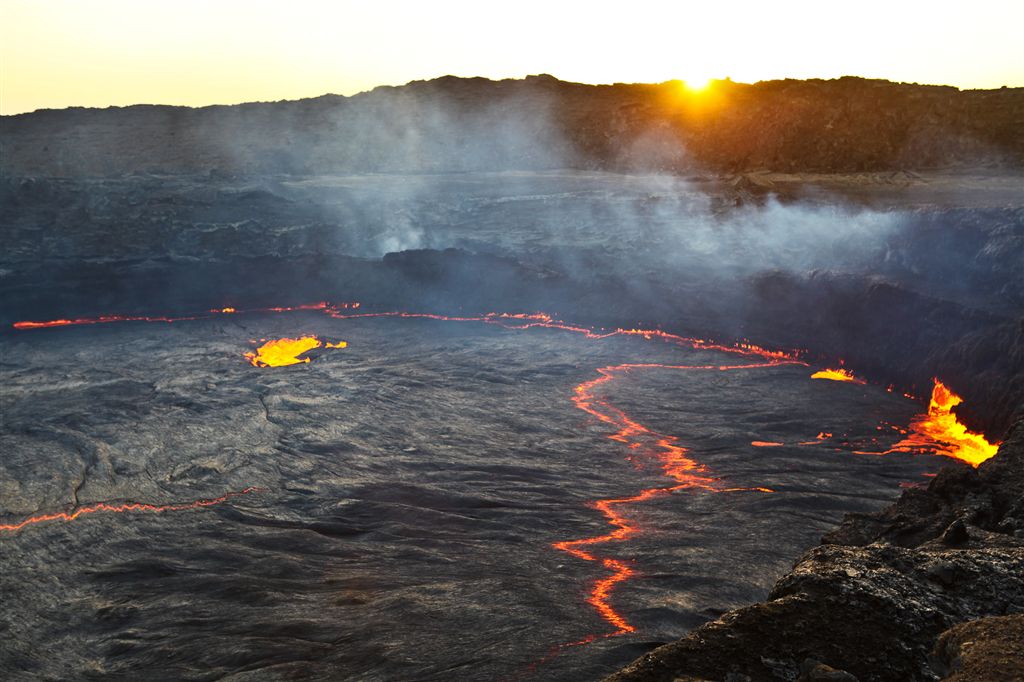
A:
(939, 431)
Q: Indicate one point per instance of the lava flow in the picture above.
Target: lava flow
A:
(286, 351)
(228, 310)
(545, 321)
(673, 458)
(123, 508)
(837, 375)
(940, 432)
(674, 461)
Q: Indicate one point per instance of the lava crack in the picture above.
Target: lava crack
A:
(121, 508)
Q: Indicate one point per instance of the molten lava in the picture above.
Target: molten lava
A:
(122, 508)
(939, 431)
(286, 351)
(766, 443)
(837, 375)
(104, 319)
(674, 461)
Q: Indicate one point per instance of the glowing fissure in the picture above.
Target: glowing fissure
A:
(124, 507)
(206, 314)
(545, 321)
(507, 320)
(674, 461)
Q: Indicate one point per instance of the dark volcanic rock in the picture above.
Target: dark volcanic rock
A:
(982, 650)
(472, 124)
(874, 598)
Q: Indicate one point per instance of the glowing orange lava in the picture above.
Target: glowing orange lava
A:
(674, 461)
(939, 431)
(545, 321)
(837, 375)
(105, 319)
(765, 443)
(286, 351)
(123, 508)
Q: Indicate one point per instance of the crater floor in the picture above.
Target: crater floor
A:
(399, 498)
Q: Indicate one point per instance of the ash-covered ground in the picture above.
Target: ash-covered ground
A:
(410, 487)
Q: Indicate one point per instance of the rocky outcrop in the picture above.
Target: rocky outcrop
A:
(982, 650)
(472, 124)
(871, 602)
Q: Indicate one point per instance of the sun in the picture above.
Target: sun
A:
(697, 82)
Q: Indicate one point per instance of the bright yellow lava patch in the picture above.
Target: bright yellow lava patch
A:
(837, 375)
(940, 427)
(286, 351)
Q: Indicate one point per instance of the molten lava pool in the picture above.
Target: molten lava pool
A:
(443, 500)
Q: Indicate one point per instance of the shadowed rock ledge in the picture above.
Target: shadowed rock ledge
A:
(871, 602)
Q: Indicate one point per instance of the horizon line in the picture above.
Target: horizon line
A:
(383, 86)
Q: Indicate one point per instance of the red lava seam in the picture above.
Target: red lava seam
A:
(124, 507)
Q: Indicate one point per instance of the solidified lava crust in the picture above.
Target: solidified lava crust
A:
(292, 418)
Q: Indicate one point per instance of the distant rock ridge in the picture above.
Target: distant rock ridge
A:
(454, 124)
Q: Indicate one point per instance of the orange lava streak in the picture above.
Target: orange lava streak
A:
(940, 432)
(124, 507)
(766, 443)
(507, 320)
(105, 319)
(545, 321)
(837, 375)
(675, 464)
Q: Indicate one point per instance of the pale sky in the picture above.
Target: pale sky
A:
(59, 53)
